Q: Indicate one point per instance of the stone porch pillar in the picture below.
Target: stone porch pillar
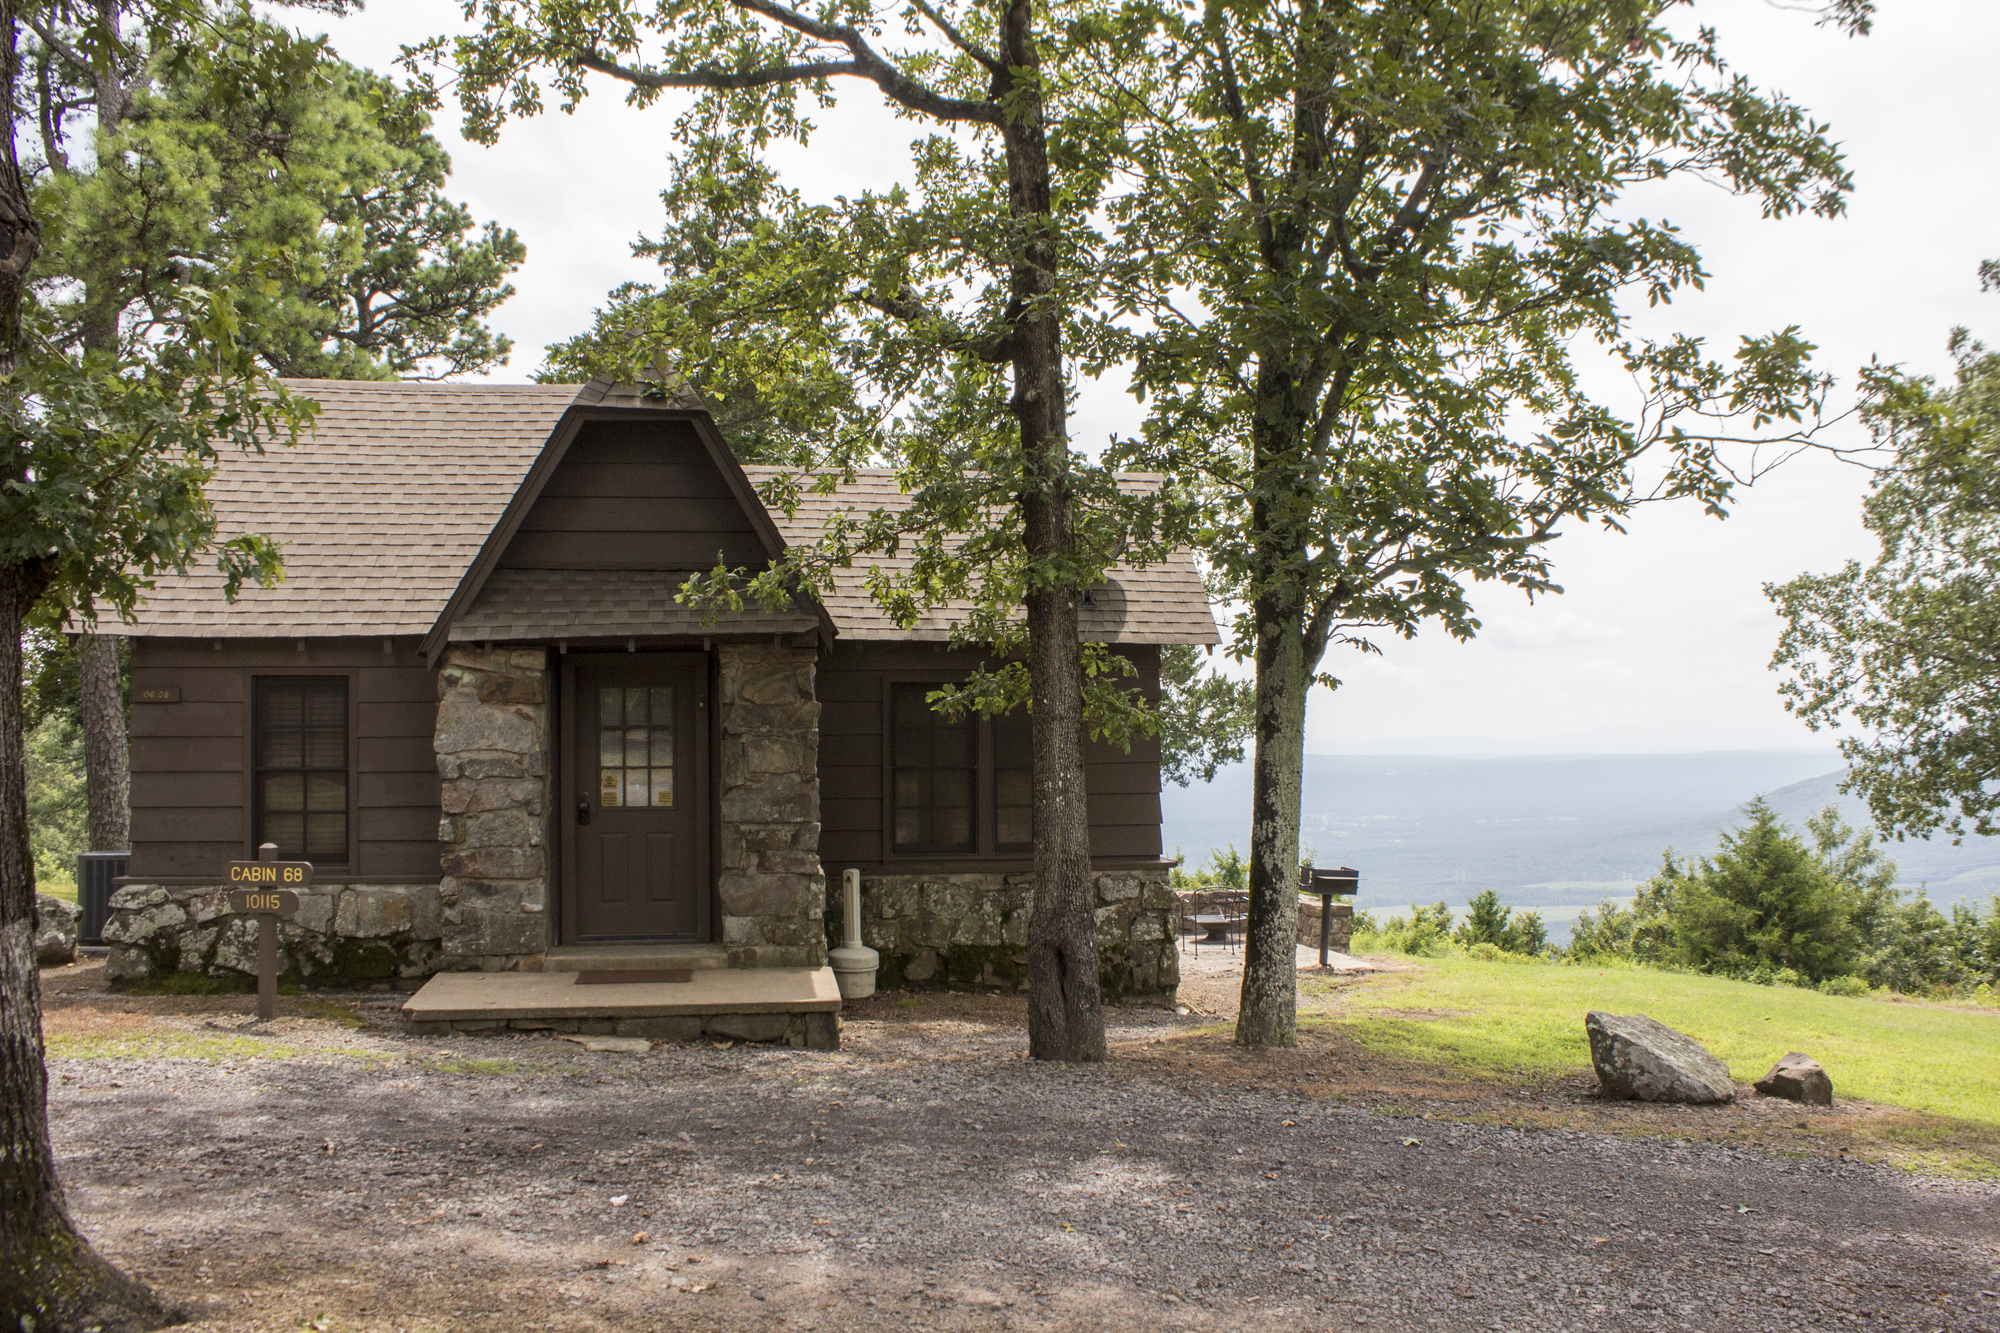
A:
(771, 887)
(492, 755)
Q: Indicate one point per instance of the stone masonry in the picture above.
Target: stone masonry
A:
(772, 891)
(1339, 935)
(343, 935)
(492, 756)
(972, 930)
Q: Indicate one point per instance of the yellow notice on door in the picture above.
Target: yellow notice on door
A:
(612, 787)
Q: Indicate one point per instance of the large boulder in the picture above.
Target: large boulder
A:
(55, 931)
(1797, 1078)
(1637, 1057)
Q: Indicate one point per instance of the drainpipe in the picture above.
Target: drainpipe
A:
(854, 963)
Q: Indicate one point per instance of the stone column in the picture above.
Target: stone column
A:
(492, 753)
(771, 887)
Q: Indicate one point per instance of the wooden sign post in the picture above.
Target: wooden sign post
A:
(268, 894)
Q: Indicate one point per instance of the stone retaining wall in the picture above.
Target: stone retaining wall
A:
(972, 930)
(492, 757)
(770, 887)
(343, 935)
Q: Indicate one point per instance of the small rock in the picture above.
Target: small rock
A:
(1797, 1078)
(616, 1045)
(1639, 1057)
(55, 932)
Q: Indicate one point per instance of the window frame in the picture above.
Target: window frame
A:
(253, 797)
(985, 791)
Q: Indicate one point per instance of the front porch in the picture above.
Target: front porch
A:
(680, 1001)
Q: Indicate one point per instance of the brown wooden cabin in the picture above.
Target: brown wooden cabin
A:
(475, 706)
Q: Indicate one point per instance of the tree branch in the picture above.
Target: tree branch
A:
(993, 348)
(722, 80)
(958, 39)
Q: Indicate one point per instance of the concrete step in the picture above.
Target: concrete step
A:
(635, 957)
(796, 1005)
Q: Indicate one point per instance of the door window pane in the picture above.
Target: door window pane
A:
(635, 745)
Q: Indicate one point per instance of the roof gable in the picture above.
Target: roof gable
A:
(647, 489)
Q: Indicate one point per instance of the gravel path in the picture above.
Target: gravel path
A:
(930, 1176)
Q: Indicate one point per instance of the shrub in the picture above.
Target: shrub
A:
(1489, 921)
(1225, 870)
(1426, 933)
(1767, 904)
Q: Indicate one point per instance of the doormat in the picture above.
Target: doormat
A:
(634, 976)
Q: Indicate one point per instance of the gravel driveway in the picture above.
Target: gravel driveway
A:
(930, 1176)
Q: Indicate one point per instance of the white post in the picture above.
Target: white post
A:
(854, 963)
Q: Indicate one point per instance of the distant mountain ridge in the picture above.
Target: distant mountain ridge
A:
(1553, 832)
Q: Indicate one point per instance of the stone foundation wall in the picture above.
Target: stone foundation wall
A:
(815, 1032)
(492, 756)
(972, 930)
(771, 888)
(343, 935)
(1338, 937)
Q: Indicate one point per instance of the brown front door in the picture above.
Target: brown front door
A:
(637, 829)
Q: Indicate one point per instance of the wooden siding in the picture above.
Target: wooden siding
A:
(1123, 789)
(634, 495)
(190, 792)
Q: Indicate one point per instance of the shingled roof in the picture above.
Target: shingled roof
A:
(1163, 603)
(385, 507)
(379, 511)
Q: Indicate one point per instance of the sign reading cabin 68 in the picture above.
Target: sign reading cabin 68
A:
(264, 886)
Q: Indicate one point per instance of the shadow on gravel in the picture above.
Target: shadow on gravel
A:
(323, 1172)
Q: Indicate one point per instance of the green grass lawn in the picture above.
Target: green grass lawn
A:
(57, 886)
(1503, 1017)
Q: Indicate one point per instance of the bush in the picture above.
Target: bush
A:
(1489, 921)
(1771, 909)
(1427, 933)
(1225, 870)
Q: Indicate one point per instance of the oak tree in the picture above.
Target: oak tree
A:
(1903, 645)
(1366, 244)
(957, 301)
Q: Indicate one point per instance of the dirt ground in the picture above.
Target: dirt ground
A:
(325, 1172)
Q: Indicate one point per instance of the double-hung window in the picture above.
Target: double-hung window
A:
(958, 787)
(299, 740)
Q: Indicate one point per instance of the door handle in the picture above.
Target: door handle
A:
(583, 810)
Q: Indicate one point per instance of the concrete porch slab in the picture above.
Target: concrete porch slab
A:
(457, 997)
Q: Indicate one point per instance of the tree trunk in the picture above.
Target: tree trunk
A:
(20, 234)
(1269, 1012)
(1065, 1006)
(107, 764)
(51, 1280)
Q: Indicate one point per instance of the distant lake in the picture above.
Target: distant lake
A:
(1553, 833)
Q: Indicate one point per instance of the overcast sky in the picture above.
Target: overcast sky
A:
(1660, 640)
